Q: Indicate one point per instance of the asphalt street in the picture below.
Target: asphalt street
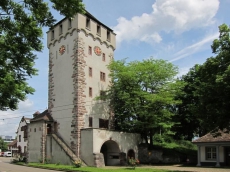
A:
(5, 166)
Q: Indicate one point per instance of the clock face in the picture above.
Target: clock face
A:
(62, 49)
(97, 50)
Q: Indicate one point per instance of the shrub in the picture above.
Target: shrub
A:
(133, 162)
(77, 163)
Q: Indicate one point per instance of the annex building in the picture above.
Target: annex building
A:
(76, 123)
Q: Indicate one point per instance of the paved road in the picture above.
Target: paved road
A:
(5, 166)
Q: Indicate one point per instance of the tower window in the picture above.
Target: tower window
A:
(103, 123)
(90, 92)
(52, 35)
(102, 76)
(108, 35)
(90, 121)
(69, 23)
(87, 23)
(102, 95)
(60, 29)
(90, 72)
(99, 30)
(103, 57)
(90, 50)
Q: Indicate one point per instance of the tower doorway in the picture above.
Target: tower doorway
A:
(111, 151)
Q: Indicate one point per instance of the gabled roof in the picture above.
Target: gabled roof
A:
(219, 136)
(13, 143)
(27, 120)
(45, 116)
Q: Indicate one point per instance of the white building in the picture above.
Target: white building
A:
(79, 51)
(22, 135)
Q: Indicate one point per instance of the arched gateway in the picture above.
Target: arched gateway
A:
(111, 152)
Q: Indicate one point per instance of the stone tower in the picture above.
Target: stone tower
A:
(79, 51)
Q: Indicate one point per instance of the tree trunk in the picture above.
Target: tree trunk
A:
(151, 140)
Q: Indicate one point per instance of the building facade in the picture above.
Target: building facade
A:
(22, 136)
(80, 50)
(213, 149)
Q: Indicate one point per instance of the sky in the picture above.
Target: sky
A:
(179, 31)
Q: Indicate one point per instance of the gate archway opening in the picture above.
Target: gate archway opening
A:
(111, 152)
(131, 154)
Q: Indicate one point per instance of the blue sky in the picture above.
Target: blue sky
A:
(180, 31)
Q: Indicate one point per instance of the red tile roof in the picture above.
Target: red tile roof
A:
(219, 136)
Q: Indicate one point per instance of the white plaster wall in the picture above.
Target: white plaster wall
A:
(96, 108)
(56, 153)
(63, 85)
(34, 141)
(23, 142)
(93, 30)
(203, 159)
(95, 138)
(86, 151)
(126, 141)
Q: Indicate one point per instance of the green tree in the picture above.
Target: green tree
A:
(3, 145)
(208, 86)
(21, 25)
(188, 123)
(141, 95)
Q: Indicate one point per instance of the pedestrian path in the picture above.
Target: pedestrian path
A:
(179, 168)
(189, 169)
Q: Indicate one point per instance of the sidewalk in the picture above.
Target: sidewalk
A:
(178, 168)
(191, 169)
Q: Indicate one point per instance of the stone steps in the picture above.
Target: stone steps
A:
(68, 151)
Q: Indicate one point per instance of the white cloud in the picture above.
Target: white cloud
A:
(168, 15)
(194, 48)
(9, 120)
(183, 71)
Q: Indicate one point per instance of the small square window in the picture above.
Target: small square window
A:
(103, 57)
(210, 153)
(90, 121)
(87, 23)
(90, 92)
(103, 123)
(90, 50)
(90, 72)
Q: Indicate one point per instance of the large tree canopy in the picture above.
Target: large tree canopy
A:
(20, 38)
(207, 90)
(141, 95)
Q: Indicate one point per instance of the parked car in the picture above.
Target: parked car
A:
(1, 153)
(7, 154)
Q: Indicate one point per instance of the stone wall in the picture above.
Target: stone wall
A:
(161, 156)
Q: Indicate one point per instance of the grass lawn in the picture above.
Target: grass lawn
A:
(93, 169)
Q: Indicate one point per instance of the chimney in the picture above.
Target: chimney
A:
(36, 114)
